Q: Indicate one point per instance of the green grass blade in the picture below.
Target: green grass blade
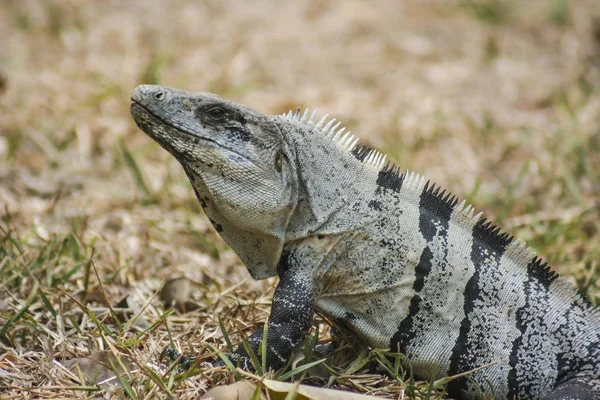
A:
(47, 303)
(11, 321)
(264, 346)
(255, 363)
(225, 335)
(122, 381)
(300, 369)
(135, 170)
(225, 359)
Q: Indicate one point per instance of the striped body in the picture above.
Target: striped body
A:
(383, 254)
(450, 292)
(406, 267)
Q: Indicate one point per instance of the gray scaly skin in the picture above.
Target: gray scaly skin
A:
(383, 254)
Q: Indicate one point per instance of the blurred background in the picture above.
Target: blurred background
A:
(496, 100)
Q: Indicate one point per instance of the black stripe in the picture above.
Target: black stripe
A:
(486, 237)
(361, 152)
(406, 330)
(541, 271)
(390, 178)
(459, 351)
(434, 220)
(512, 380)
(538, 273)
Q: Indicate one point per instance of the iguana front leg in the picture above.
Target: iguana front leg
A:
(291, 315)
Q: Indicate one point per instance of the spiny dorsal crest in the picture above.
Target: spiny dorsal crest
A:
(516, 248)
(346, 140)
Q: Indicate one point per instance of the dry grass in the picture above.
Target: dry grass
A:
(497, 100)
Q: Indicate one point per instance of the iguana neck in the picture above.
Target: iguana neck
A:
(332, 183)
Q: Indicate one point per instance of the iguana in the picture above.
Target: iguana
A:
(387, 255)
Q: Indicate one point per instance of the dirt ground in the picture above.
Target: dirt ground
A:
(498, 101)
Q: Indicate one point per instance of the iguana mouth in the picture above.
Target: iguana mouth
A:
(171, 124)
(137, 107)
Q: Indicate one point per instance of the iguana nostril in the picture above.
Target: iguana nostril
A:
(137, 94)
(160, 95)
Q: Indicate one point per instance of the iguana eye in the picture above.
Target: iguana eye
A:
(216, 113)
(279, 161)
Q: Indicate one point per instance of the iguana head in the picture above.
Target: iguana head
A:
(261, 179)
(237, 161)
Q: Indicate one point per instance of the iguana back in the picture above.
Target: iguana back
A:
(384, 254)
(444, 286)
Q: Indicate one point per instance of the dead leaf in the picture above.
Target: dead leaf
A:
(317, 371)
(128, 308)
(241, 390)
(96, 368)
(176, 293)
(244, 390)
(278, 390)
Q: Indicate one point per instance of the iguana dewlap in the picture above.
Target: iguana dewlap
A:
(384, 254)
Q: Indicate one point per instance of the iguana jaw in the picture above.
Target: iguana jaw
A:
(148, 122)
(230, 154)
(156, 123)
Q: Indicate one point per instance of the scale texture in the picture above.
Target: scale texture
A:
(386, 255)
